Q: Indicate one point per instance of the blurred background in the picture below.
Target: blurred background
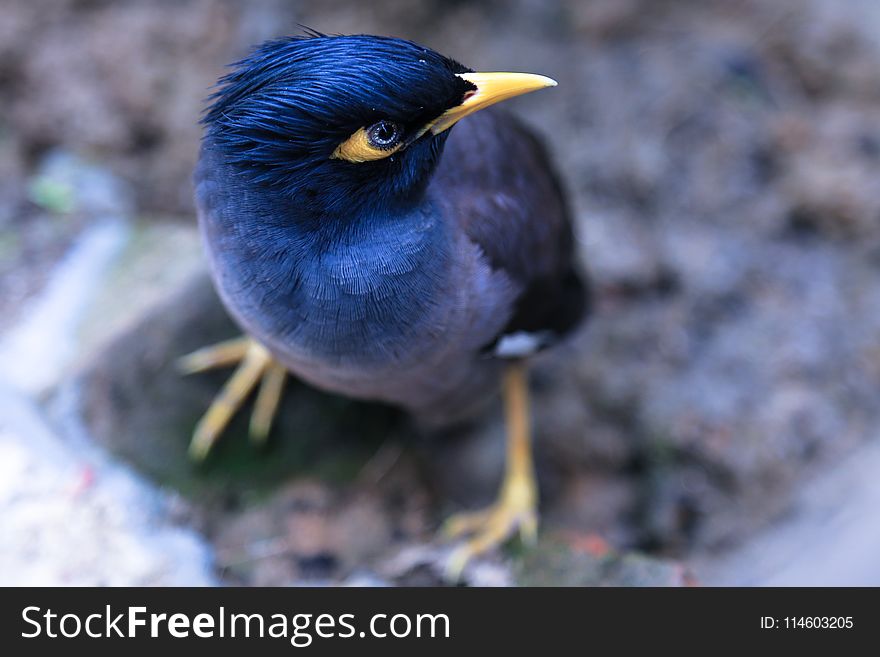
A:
(716, 422)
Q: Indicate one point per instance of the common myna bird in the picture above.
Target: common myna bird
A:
(379, 233)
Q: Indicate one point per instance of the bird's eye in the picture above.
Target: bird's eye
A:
(373, 142)
(384, 134)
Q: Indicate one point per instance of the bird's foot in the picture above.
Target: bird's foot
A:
(254, 366)
(514, 511)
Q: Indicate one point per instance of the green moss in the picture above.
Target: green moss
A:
(52, 195)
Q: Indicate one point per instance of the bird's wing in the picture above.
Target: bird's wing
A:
(511, 205)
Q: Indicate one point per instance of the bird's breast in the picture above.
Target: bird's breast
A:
(401, 322)
(395, 309)
(412, 338)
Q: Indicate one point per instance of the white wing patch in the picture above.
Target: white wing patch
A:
(521, 344)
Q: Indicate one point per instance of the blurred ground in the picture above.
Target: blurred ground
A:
(722, 158)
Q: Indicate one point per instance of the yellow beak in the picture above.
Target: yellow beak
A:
(491, 88)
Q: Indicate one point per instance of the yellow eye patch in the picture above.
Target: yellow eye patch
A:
(372, 143)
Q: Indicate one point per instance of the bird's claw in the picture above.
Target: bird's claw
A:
(515, 511)
(255, 366)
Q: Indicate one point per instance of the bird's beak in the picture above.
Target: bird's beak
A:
(491, 88)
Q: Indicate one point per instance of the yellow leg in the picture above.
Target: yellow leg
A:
(516, 507)
(255, 365)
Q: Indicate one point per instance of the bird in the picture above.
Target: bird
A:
(380, 230)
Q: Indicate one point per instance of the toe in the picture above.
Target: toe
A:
(489, 529)
(218, 355)
(463, 524)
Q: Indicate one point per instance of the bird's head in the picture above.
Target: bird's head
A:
(342, 121)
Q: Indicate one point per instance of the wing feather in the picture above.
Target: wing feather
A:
(510, 203)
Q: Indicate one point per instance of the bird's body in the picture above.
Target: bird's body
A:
(373, 252)
(406, 309)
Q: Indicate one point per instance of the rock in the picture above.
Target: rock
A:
(68, 201)
(827, 538)
(69, 516)
(138, 405)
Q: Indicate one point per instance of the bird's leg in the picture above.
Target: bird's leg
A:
(516, 507)
(255, 365)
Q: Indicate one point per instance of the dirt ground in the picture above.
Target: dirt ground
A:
(722, 158)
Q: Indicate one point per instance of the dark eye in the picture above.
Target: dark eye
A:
(384, 134)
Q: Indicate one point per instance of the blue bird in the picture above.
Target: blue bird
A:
(379, 233)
